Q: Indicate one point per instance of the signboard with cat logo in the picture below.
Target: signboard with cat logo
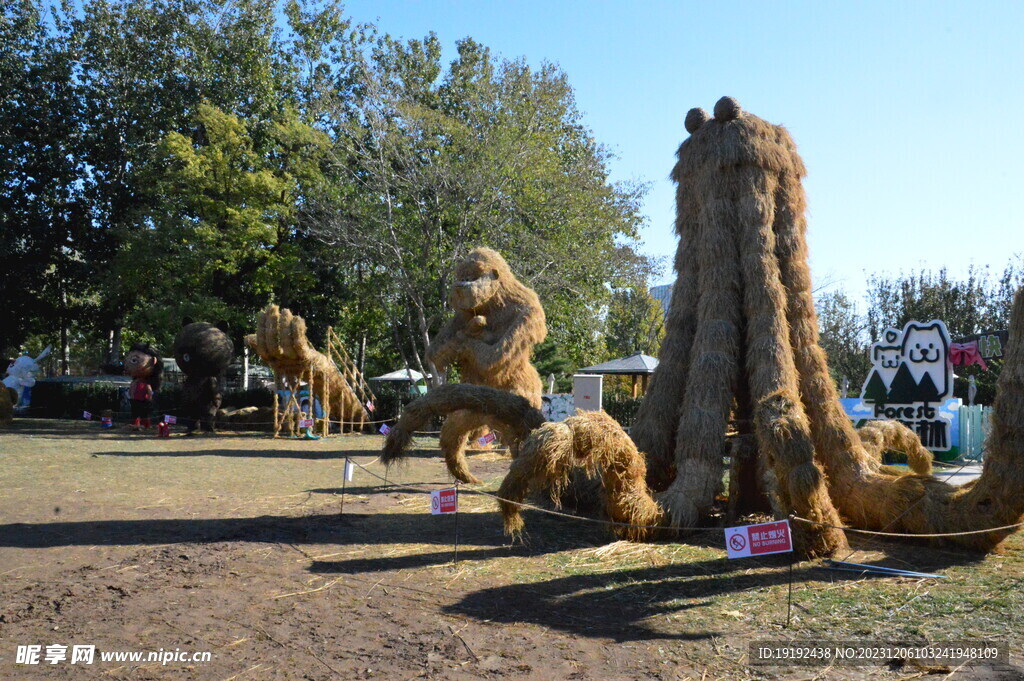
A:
(911, 381)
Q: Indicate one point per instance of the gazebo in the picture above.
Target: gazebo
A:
(414, 378)
(638, 366)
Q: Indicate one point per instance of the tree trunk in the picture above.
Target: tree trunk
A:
(65, 345)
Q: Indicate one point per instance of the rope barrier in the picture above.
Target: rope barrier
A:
(907, 534)
(571, 516)
(541, 509)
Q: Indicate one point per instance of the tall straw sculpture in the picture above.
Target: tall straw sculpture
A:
(496, 323)
(742, 345)
(280, 341)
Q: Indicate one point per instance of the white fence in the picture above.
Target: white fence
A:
(975, 423)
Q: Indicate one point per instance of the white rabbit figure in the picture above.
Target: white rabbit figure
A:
(21, 374)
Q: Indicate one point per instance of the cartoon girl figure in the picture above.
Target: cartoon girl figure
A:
(144, 366)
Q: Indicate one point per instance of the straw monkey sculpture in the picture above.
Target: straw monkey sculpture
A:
(497, 322)
(742, 342)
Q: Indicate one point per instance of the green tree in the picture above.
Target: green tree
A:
(635, 323)
(221, 241)
(843, 337)
(487, 152)
(43, 272)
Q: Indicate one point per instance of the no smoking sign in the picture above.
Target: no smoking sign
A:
(444, 501)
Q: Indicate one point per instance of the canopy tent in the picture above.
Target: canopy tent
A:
(407, 375)
(638, 365)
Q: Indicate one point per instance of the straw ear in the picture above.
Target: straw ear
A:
(727, 109)
(696, 118)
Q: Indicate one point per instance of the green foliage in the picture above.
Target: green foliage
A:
(550, 360)
(635, 323)
(842, 332)
(487, 152)
(224, 224)
(621, 407)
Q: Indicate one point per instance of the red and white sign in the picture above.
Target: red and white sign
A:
(385, 429)
(369, 406)
(170, 419)
(87, 416)
(305, 423)
(758, 540)
(444, 501)
(486, 439)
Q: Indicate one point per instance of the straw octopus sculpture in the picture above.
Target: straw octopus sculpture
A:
(742, 346)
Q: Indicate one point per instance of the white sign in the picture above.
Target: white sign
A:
(306, 423)
(170, 419)
(87, 416)
(758, 540)
(586, 391)
(385, 429)
(910, 379)
(350, 469)
(444, 501)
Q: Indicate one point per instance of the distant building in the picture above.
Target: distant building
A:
(663, 294)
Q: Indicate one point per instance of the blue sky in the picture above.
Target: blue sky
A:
(905, 112)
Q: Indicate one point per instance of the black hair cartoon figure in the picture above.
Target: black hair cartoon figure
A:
(143, 364)
(203, 353)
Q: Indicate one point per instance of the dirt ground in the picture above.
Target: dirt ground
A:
(244, 546)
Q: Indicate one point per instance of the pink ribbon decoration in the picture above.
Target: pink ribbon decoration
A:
(966, 354)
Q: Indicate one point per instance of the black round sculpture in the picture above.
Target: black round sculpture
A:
(203, 353)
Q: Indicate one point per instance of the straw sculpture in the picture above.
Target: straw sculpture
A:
(7, 399)
(497, 323)
(280, 341)
(742, 348)
(203, 353)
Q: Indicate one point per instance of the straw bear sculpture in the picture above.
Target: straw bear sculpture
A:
(496, 324)
(742, 345)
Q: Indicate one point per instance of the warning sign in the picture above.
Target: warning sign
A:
(758, 540)
(444, 501)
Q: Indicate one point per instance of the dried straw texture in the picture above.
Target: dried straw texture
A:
(594, 443)
(6, 405)
(733, 350)
(708, 213)
(514, 415)
(281, 342)
(867, 496)
(497, 323)
(880, 436)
